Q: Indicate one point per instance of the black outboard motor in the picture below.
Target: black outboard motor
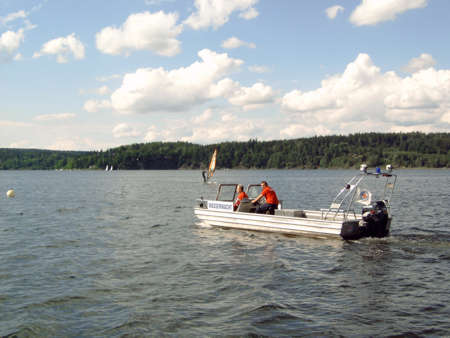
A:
(376, 220)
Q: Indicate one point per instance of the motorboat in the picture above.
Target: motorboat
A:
(362, 208)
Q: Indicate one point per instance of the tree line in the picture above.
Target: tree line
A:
(402, 150)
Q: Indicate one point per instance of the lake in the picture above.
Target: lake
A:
(94, 253)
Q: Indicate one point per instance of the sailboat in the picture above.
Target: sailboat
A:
(212, 167)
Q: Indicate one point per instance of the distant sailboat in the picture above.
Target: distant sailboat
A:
(107, 168)
(212, 167)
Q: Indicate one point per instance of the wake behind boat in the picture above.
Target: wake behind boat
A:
(362, 208)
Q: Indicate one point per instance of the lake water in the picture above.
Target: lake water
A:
(93, 253)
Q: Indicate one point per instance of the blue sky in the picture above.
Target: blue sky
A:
(91, 75)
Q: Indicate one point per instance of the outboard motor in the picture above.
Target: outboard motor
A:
(376, 220)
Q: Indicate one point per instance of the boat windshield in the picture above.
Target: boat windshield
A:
(253, 190)
(226, 192)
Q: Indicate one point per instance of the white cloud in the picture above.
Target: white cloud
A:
(252, 97)
(9, 43)
(208, 132)
(6, 123)
(258, 69)
(234, 130)
(234, 42)
(63, 47)
(93, 106)
(13, 16)
(108, 78)
(333, 11)
(371, 100)
(157, 2)
(18, 57)
(158, 90)
(228, 117)
(422, 62)
(73, 143)
(371, 12)
(294, 130)
(20, 144)
(152, 134)
(446, 117)
(205, 116)
(215, 13)
(124, 130)
(103, 90)
(249, 14)
(54, 117)
(155, 32)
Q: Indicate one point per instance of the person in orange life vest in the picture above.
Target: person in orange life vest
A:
(241, 195)
(271, 199)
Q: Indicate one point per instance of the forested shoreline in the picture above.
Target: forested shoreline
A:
(402, 150)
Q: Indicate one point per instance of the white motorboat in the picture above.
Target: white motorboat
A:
(362, 208)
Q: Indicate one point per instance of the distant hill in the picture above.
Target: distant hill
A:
(402, 150)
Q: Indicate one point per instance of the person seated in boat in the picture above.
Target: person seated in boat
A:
(271, 199)
(241, 195)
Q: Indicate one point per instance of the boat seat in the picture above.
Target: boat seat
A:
(290, 213)
(246, 206)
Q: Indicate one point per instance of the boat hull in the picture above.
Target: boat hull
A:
(268, 223)
(311, 224)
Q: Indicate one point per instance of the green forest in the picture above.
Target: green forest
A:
(402, 150)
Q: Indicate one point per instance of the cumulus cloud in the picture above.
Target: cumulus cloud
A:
(158, 90)
(333, 11)
(9, 44)
(205, 116)
(252, 97)
(228, 117)
(63, 47)
(234, 42)
(422, 62)
(215, 13)
(54, 117)
(209, 132)
(294, 130)
(155, 32)
(364, 98)
(371, 12)
(93, 106)
(124, 130)
(73, 143)
(241, 130)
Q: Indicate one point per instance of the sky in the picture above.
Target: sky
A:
(92, 75)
